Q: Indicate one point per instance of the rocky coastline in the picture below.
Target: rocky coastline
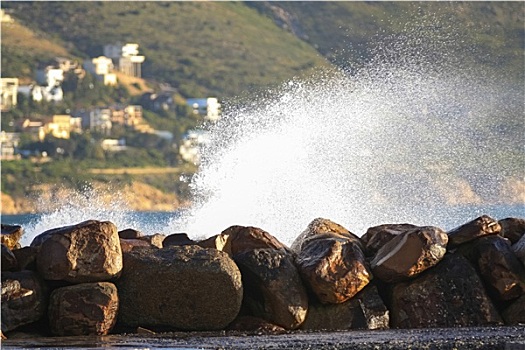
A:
(94, 279)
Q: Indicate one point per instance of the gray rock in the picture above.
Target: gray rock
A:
(182, 287)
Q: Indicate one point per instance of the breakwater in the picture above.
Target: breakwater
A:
(93, 279)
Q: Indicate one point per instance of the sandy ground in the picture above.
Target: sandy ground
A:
(505, 338)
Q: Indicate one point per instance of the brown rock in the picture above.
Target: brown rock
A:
(409, 254)
(333, 266)
(448, 295)
(83, 309)
(24, 299)
(155, 240)
(365, 311)
(376, 237)
(272, 287)
(482, 226)
(182, 287)
(178, 239)
(130, 233)
(238, 239)
(322, 226)
(512, 228)
(86, 252)
(515, 313)
(26, 258)
(128, 245)
(255, 324)
(499, 268)
(11, 235)
(9, 262)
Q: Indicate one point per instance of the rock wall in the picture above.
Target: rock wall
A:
(91, 279)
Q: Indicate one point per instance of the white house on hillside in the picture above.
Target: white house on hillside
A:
(209, 107)
(127, 56)
(8, 93)
(102, 68)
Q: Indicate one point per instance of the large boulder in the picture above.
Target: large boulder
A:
(333, 266)
(512, 228)
(24, 299)
(364, 311)
(321, 226)
(87, 252)
(238, 239)
(376, 237)
(9, 262)
(181, 287)
(10, 236)
(482, 226)
(498, 267)
(409, 253)
(83, 309)
(449, 295)
(273, 289)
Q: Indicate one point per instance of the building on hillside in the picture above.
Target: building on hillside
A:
(113, 145)
(127, 57)
(102, 67)
(98, 119)
(8, 93)
(192, 144)
(9, 142)
(4, 17)
(59, 126)
(49, 76)
(209, 108)
(34, 128)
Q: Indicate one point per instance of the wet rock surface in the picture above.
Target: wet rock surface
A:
(512, 228)
(409, 253)
(333, 266)
(323, 226)
(376, 237)
(9, 262)
(482, 226)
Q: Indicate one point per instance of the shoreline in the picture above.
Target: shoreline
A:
(501, 337)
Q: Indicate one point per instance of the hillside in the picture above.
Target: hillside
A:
(227, 48)
(201, 48)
